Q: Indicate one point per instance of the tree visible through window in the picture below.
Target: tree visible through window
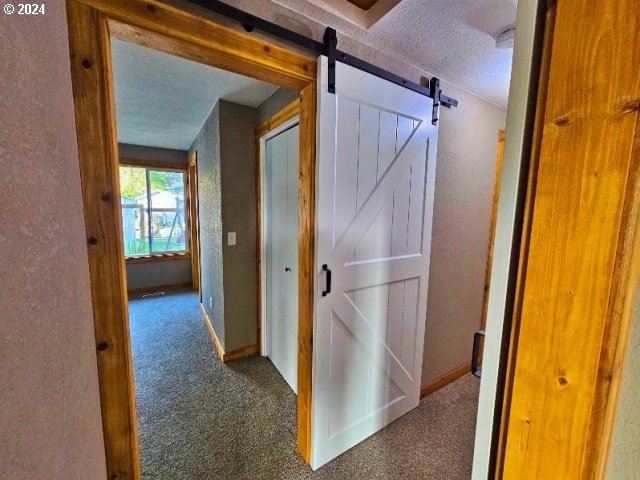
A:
(153, 211)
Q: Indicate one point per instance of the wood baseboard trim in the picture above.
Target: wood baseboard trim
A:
(212, 333)
(240, 353)
(222, 355)
(445, 379)
(158, 288)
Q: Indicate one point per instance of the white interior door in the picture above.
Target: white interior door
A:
(376, 173)
(281, 249)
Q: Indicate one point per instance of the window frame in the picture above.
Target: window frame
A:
(157, 165)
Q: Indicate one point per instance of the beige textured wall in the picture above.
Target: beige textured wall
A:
(154, 274)
(464, 187)
(467, 147)
(50, 422)
(207, 148)
(624, 460)
(141, 152)
(238, 168)
(276, 102)
(227, 203)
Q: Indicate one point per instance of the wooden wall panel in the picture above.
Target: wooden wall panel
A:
(541, 98)
(617, 325)
(580, 273)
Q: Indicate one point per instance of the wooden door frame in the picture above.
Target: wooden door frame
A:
(153, 24)
(275, 121)
(492, 228)
(577, 273)
(492, 237)
(194, 221)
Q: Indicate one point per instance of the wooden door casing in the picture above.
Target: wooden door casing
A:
(580, 260)
(153, 24)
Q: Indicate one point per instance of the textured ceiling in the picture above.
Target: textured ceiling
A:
(452, 39)
(163, 101)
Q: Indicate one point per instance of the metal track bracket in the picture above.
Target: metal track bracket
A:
(329, 48)
(330, 45)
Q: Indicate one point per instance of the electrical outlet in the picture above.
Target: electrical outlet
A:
(211, 303)
(231, 238)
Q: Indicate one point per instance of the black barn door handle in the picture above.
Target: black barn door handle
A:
(474, 355)
(327, 289)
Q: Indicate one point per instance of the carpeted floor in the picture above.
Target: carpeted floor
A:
(200, 419)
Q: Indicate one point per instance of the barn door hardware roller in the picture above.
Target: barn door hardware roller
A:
(328, 47)
(331, 51)
(439, 98)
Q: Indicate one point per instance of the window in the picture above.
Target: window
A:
(153, 211)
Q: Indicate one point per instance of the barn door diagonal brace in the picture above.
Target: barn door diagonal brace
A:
(329, 48)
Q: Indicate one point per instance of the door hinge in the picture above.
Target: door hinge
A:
(331, 51)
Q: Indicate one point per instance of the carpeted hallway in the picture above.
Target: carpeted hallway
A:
(200, 419)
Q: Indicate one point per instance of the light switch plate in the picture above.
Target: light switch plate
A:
(231, 238)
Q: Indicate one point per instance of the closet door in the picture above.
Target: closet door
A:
(281, 174)
(376, 174)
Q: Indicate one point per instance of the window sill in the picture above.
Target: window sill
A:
(162, 257)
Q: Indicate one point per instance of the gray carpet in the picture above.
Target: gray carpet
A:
(200, 419)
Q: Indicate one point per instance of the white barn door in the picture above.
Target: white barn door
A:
(376, 173)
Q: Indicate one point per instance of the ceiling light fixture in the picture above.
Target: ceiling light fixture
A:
(506, 37)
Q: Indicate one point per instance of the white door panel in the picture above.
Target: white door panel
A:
(376, 173)
(281, 220)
